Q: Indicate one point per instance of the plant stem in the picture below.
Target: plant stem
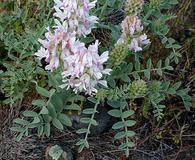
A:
(126, 137)
(90, 123)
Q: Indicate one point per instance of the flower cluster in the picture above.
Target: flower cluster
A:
(82, 67)
(137, 88)
(85, 69)
(133, 7)
(76, 14)
(132, 29)
(56, 47)
(132, 37)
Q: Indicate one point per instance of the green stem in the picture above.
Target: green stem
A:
(141, 71)
(126, 137)
(90, 123)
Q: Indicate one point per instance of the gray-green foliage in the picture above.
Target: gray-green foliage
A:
(158, 91)
(116, 98)
(82, 143)
(157, 20)
(19, 30)
(51, 111)
(17, 80)
(123, 111)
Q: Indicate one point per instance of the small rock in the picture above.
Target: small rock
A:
(104, 120)
(66, 154)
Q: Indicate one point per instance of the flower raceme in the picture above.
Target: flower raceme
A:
(82, 67)
(76, 15)
(56, 47)
(132, 29)
(130, 26)
(132, 38)
(85, 69)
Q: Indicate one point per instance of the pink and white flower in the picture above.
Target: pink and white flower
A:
(131, 25)
(132, 30)
(134, 46)
(85, 69)
(82, 67)
(76, 14)
(57, 46)
(143, 39)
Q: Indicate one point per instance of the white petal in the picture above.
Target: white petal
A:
(104, 83)
(104, 57)
(107, 71)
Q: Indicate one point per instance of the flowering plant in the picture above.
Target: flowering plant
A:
(77, 66)
(82, 67)
(132, 29)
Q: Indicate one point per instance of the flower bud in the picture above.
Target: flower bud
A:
(118, 54)
(133, 7)
(137, 89)
(155, 86)
(154, 4)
